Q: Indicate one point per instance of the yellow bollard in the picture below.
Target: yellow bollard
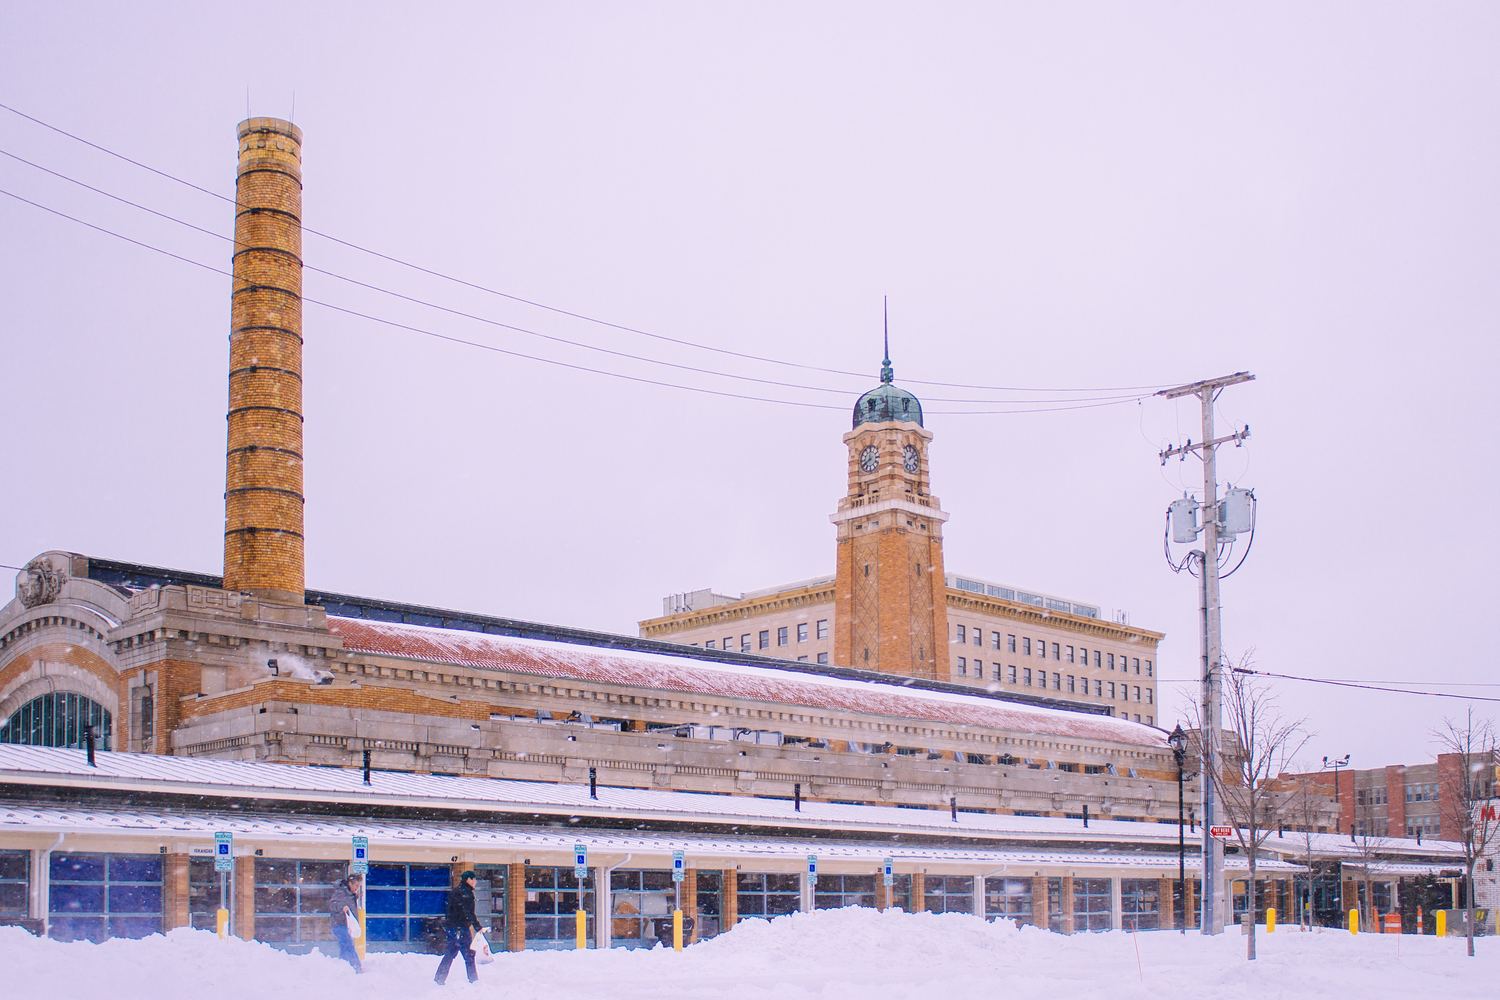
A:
(221, 923)
(1442, 923)
(359, 943)
(1270, 920)
(676, 930)
(1353, 921)
(581, 919)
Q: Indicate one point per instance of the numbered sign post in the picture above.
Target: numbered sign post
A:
(679, 871)
(888, 872)
(224, 865)
(580, 870)
(359, 856)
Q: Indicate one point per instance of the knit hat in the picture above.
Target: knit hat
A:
(468, 875)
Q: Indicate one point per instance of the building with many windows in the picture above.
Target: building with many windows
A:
(1402, 800)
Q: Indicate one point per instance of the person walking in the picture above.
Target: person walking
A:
(461, 924)
(343, 903)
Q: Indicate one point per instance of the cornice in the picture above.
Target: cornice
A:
(1044, 616)
(737, 610)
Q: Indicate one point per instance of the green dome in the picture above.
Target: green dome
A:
(886, 403)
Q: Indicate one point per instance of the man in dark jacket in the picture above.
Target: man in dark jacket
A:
(461, 924)
(343, 903)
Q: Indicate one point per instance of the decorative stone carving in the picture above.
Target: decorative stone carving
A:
(40, 582)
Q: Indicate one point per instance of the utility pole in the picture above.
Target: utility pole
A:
(1214, 906)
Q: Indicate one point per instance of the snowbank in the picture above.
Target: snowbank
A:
(830, 955)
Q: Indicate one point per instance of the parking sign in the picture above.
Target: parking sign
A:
(359, 859)
(888, 872)
(679, 865)
(223, 852)
(580, 861)
(812, 867)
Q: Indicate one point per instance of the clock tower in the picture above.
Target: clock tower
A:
(890, 608)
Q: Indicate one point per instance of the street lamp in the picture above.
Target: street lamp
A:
(1178, 742)
(1334, 765)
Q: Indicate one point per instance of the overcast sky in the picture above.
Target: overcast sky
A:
(1058, 196)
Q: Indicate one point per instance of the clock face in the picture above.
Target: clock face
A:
(868, 458)
(910, 458)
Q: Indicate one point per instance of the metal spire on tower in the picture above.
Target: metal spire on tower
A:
(887, 373)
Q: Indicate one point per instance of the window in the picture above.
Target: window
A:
(995, 640)
(802, 631)
(710, 903)
(1083, 656)
(1112, 691)
(822, 628)
(960, 633)
(996, 668)
(1069, 651)
(710, 644)
(768, 895)
(1148, 668)
(1056, 651)
(1009, 898)
(948, 894)
(1026, 646)
(1135, 664)
(745, 643)
(405, 905)
(638, 898)
(1026, 677)
(978, 636)
(57, 719)
(1010, 643)
(1097, 656)
(1148, 696)
(1010, 673)
(15, 883)
(1041, 678)
(291, 900)
(801, 659)
(1070, 683)
(728, 642)
(837, 891)
(144, 710)
(1098, 689)
(822, 657)
(1111, 661)
(1056, 681)
(763, 640)
(963, 667)
(93, 897)
(1140, 904)
(1041, 648)
(1091, 904)
(1137, 693)
(781, 636)
(551, 902)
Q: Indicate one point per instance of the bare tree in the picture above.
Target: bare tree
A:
(1244, 778)
(1303, 807)
(1466, 793)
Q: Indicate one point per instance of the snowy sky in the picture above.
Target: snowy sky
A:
(1061, 196)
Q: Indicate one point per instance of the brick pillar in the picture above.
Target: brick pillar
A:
(729, 907)
(175, 892)
(1168, 920)
(1039, 915)
(263, 497)
(1066, 904)
(690, 901)
(882, 892)
(244, 898)
(918, 902)
(515, 907)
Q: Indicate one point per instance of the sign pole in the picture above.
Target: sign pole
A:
(679, 864)
(580, 918)
(224, 865)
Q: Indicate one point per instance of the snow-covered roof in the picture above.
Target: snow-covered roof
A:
(48, 767)
(630, 668)
(388, 837)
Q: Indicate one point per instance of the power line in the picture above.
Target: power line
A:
(1364, 686)
(520, 329)
(519, 354)
(584, 317)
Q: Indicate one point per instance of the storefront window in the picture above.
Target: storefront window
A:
(93, 897)
(404, 906)
(15, 883)
(949, 894)
(291, 901)
(763, 895)
(1091, 904)
(836, 891)
(1008, 897)
(551, 904)
(637, 900)
(1140, 904)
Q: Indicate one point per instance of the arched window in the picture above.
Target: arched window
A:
(57, 720)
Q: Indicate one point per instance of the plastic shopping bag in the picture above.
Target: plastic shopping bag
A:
(352, 922)
(481, 949)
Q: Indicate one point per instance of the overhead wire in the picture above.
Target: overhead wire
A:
(584, 317)
(1361, 685)
(416, 300)
(520, 354)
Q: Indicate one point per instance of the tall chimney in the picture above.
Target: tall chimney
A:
(263, 488)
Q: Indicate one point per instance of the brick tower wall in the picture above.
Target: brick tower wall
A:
(263, 500)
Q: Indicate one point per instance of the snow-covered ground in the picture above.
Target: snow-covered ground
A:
(830, 955)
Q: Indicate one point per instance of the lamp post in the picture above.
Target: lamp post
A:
(1178, 742)
(1334, 764)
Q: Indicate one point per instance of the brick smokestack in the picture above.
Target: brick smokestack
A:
(263, 488)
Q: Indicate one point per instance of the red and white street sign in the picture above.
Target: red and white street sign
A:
(1221, 832)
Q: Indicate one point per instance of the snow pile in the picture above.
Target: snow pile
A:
(850, 954)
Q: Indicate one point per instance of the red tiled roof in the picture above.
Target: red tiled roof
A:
(564, 661)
